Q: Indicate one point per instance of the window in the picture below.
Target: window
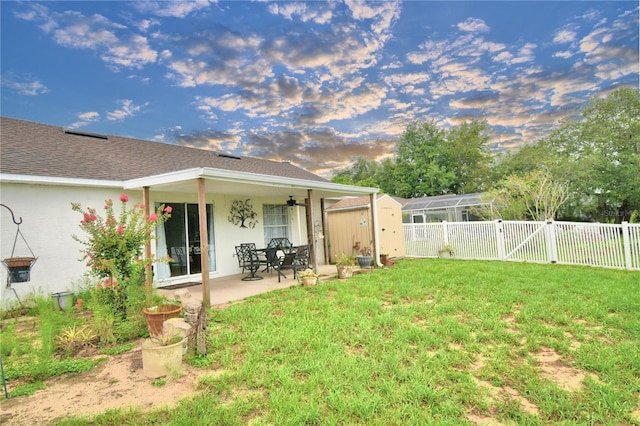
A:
(276, 222)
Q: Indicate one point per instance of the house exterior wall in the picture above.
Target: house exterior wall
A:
(49, 223)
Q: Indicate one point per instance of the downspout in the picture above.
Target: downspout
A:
(374, 222)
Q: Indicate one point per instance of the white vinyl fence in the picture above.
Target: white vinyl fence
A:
(593, 244)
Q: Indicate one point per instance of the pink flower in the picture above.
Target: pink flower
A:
(141, 206)
(120, 230)
(79, 304)
(168, 209)
(90, 217)
(124, 198)
(153, 217)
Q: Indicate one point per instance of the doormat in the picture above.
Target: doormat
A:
(177, 286)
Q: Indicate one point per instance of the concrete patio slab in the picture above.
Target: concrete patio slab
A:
(232, 288)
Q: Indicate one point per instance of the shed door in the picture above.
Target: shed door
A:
(390, 231)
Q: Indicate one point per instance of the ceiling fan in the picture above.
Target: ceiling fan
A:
(292, 203)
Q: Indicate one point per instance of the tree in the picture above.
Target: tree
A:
(432, 161)
(363, 172)
(535, 196)
(471, 158)
(600, 152)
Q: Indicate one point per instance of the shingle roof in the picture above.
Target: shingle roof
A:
(34, 149)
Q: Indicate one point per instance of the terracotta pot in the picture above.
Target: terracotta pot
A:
(14, 262)
(308, 281)
(344, 271)
(157, 315)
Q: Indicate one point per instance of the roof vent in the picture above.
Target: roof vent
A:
(85, 134)
(233, 157)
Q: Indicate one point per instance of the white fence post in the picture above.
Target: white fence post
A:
(500, 238)
(445, 232)
(626, 244)
(550, 239)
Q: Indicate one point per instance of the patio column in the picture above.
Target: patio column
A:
(310, 236)
(204, 242)
(148, 275)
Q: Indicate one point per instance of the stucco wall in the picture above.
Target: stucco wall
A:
(49, 223)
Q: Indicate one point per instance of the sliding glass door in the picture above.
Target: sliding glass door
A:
(179, 238)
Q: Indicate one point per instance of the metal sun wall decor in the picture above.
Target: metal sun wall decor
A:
(242, 214)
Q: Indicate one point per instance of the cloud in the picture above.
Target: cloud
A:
(115, 43)
(127, 109)
(564, 36)
(24, 86)
(320, 13)
(473, 25)
(85, 118)
(172, 9)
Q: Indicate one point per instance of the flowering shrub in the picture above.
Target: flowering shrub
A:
(113, 248)
(115, 244)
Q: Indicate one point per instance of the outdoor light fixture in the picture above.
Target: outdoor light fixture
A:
(291, 202)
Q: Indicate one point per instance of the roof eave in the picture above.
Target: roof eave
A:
(244, 178)
(56, 180)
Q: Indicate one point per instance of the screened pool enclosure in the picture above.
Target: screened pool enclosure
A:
(452, 208)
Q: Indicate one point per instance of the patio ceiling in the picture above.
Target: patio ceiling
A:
(244, 184)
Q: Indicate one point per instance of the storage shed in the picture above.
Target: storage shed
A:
(349, 222)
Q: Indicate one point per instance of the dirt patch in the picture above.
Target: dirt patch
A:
(553, 368)
(116, 383)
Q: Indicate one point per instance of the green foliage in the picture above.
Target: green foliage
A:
(113, 246)
(362, 172)
(118, 350)
(344, 259)
(600, 154)
(72, 339)
(432, 161)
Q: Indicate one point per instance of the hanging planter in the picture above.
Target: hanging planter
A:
(19, 268)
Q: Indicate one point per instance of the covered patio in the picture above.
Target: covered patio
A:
(232, 288)
(213, 192)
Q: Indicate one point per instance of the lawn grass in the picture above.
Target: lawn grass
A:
(444, 342)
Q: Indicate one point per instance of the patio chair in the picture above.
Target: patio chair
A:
(281, 243)
(261, 255)
(248, 261)
(286, 262)
(178, 260)
(302, 258)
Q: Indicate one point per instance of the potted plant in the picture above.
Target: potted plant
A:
(365, 259)
(157, 315)
(446, 251)
(162, 354)
(344, 265)
(308, 278)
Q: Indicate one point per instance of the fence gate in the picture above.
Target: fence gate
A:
(525, 241)
(594, 244)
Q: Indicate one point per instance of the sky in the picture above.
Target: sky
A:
(313, 83)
